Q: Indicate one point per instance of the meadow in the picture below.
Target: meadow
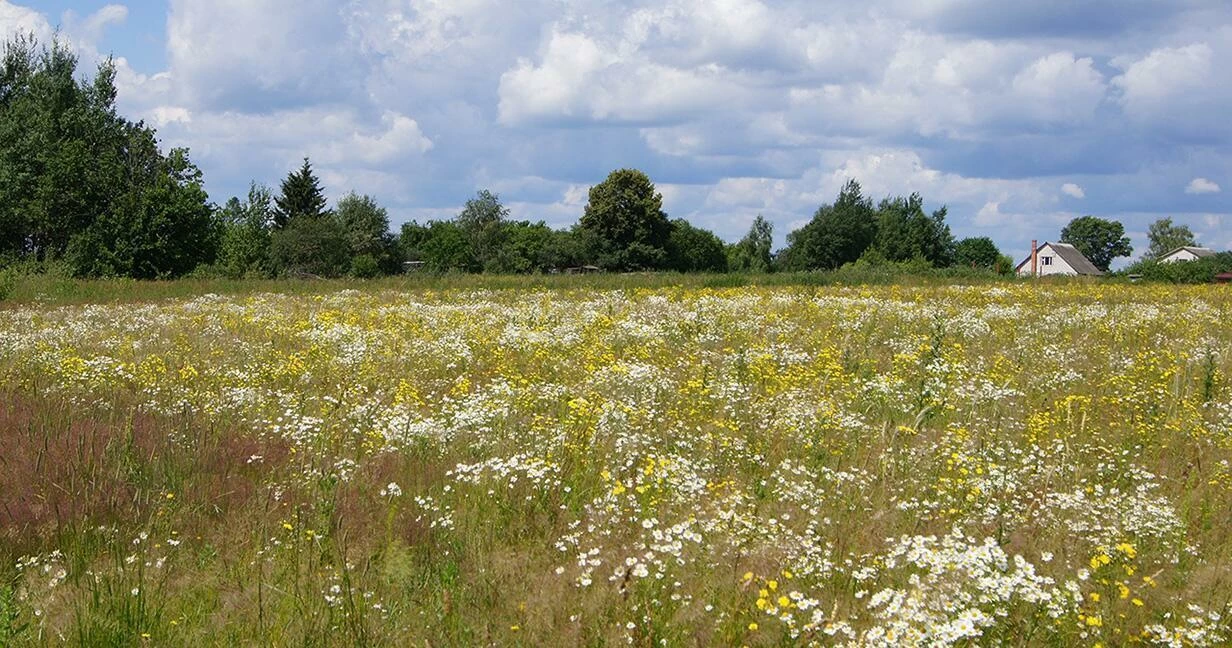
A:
(611, 461)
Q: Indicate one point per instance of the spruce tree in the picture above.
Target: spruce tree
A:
(301, 196)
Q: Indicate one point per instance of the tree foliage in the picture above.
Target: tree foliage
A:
(364, 223)
(365, 226)
(533, 247)
(483, 220)
(1099, 240)
(837, 234)
(301, 195)
(310, 246)
(905, 232)
(244, 250)
(1165, 237)
(978, 252)
(442, 246)
(692, 249)
(753, 252)
(79, 182)
(158, 228)
(1201, 270)
(625, 216)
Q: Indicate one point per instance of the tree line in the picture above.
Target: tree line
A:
(83, 187)
(81, 184)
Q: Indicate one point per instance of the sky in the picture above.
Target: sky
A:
(1017, 116)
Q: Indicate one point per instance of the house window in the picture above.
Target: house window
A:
(1046, 260)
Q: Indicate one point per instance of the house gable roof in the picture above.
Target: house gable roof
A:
(1070, 255)
(1194, 250)
(1075, 259)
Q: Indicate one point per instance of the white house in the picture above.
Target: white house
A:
(1186, 253)
(1056, 259)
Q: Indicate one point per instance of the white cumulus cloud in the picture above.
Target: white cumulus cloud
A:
(733, 107)
(1072, 190)
(15, 19)
(1202, 186)
(1059, 88)
(582, 78)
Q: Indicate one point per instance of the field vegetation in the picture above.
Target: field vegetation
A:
(615, 461)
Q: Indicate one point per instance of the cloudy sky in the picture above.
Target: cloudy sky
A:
(1018, 116)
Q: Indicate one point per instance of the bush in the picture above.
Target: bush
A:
(1182, 272)
(8, 282)
(365, 266)
(310, 245)
(1004, 265)
(208, 271)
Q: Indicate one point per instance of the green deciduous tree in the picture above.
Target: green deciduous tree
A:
(80, 182)
(905, 232)
(1165, 237)
(528, 247)
(364, 223)
(300, 195)
(692, 249)
(483, 220)
(162, 226)
(244, 250)
(752, 253)
(978, 252)
(310, 245)
(625, 218)
(442, 246)
(58, 143)
(1099, 240)
(365, 226)
(836, 235)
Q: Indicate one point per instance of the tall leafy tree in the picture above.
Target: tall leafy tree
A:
(80, 182)
(245, 246)
(301, 195)
(1098, 239)
(157, 228)
(443, 246)
(567, 249)
(752, 253)
(309, 245)
(978, 252)
(905, 232)
(526, 247)
(693, 249)
(624, 218)
(837, 234)
(483, 220)
(1165, 237)
(57, 167)
(365, 224)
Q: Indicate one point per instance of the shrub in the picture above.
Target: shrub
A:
(365, 266)
(8, 282)
(312, 246)
(1182, 272)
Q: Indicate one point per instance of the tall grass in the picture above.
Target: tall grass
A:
(604, 460)
(54, 288)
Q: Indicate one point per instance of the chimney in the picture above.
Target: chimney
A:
(1034, 258)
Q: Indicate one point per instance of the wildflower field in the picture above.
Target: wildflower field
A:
(1007, 464)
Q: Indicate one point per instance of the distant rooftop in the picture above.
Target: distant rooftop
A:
(1070, 254)
(1196, 251)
